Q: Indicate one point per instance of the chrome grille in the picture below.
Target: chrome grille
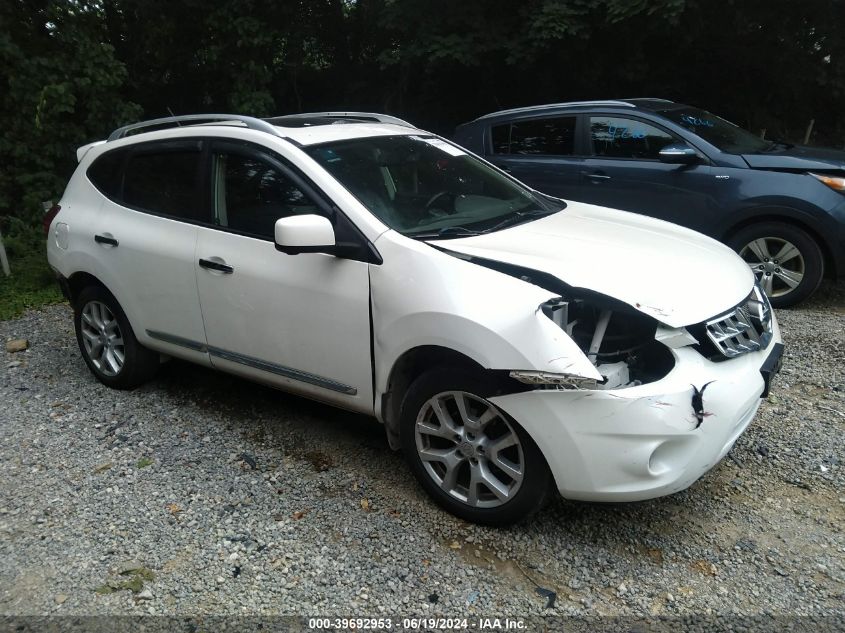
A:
(746, 328)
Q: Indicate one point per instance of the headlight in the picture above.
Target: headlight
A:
(837, 183)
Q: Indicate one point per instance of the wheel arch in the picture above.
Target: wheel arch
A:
(793, 218)
(80, 280)
(414, 362)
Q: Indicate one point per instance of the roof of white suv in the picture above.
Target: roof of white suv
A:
(302, 129)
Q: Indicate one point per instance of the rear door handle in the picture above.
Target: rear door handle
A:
(105, 239)
(504, 168)
(217, 266)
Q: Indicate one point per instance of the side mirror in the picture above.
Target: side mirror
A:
(304, 234)
(679, 153)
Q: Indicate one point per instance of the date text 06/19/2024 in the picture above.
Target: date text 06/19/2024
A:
(418, 624)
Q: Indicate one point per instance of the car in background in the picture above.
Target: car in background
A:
(780, 206)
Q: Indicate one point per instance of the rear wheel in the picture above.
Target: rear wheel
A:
(786, 260)
(107, 342)
(471, 457)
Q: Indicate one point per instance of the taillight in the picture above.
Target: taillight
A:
(49, 216)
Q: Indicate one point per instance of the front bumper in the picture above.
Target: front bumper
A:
(643, 442)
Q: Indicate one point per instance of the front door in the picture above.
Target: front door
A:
(624, 171)
(296, 321)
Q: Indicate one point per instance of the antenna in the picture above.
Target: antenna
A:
(174, 116)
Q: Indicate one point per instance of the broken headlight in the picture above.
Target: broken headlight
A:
(566, 381)
(618, 340)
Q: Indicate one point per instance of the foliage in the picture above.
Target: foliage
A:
(73, 70)
(62, 87)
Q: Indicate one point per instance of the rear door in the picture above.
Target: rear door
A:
(544, 153)
(297, 321)
(145, 237)
(624, 171)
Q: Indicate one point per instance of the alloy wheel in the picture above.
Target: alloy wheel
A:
(776, 262)
(469, 449)
(102, 338)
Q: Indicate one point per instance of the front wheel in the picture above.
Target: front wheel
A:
(786, 260)
(471, 458)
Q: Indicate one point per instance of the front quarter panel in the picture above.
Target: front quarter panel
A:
(424, 297)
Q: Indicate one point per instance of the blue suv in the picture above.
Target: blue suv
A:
(780, 206)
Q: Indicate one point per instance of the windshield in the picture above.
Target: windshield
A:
(728, 137)
(423, 186)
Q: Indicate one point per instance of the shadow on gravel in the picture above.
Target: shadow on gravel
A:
(830, 297)
(296, 425)
(325, 436)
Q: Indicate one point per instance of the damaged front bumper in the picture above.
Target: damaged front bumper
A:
(650, 440)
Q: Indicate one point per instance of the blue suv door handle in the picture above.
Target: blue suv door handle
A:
(595, 175)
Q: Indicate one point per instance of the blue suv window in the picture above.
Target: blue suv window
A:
(615, 137)
(554, 137)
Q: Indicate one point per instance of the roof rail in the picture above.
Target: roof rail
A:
(650, 99)
(194, 119)
(352, 117)
(568, 104)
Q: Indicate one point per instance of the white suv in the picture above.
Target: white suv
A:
(508, 341)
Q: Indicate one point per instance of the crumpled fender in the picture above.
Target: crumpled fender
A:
(427, 297)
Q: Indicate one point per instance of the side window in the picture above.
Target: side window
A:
(614, 137)
(106, 173)
(250, 194)
(164, 181)
(555, 137)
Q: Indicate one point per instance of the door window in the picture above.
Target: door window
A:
(164, 181)
(250, 194)
(555, 137)
(615, 137)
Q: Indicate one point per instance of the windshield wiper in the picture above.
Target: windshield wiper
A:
(446, 231)
(778, 144)
(518, 218)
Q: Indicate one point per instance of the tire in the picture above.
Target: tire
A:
(789, 281)
(105, 336)
(449, 481)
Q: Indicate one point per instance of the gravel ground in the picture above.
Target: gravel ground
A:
(204, 494)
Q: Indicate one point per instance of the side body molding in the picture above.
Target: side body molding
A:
(257, 363)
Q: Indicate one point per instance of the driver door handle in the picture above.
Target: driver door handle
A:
(217, 266)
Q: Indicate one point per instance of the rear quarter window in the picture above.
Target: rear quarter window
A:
(106, 173)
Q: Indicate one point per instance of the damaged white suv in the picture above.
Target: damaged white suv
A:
(511, 343)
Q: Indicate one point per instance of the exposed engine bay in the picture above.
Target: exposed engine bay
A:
(618, 340)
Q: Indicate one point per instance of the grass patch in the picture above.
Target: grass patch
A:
(142, 573)
(144, 462)
(135, 579)
(32, 283)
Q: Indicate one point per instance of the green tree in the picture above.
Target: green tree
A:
(62, 87)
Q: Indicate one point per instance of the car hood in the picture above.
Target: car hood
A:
(798, 157)
(673, 274)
